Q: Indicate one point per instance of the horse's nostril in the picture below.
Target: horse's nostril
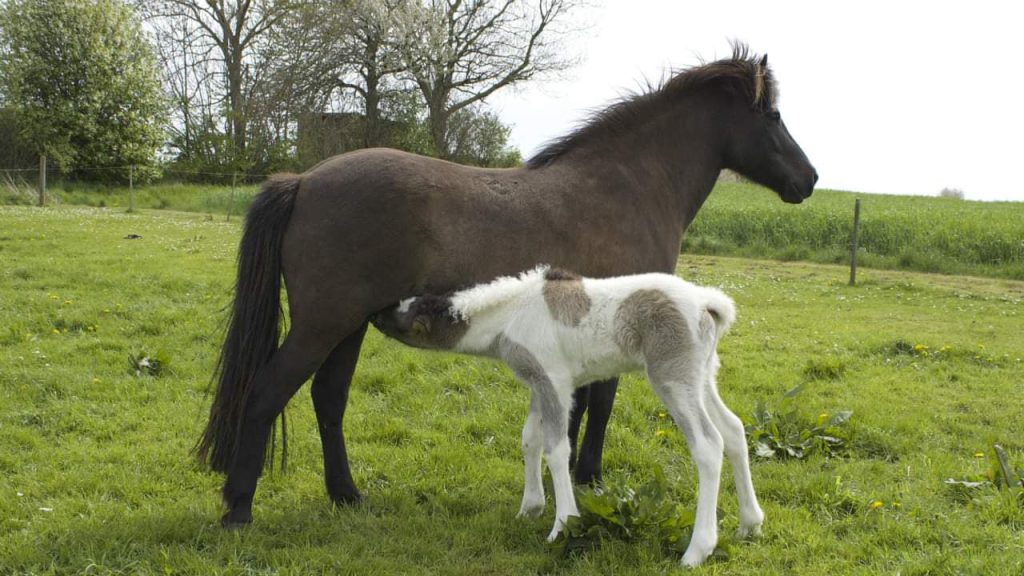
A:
(815, 176)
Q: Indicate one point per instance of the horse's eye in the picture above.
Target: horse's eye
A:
(775, 116)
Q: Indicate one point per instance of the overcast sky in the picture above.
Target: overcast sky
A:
(887, 97)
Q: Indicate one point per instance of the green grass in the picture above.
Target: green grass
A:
(96, 477)
(897, 232)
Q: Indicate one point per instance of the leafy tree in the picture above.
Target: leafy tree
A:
(83, 83)
(478, 137)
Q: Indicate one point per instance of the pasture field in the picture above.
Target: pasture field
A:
(96, 475)
(919, 233)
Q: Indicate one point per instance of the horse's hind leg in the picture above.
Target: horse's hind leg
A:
(735, 439)
(274, 384)
(330, 396)
(599, 410)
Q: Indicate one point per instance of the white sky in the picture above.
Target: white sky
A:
(889, 97)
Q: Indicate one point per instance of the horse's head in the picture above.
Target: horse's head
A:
(759, 145)
(423, 322)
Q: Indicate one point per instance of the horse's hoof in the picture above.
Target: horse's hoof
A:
(227, 522)
(346, 498)
(587, 475)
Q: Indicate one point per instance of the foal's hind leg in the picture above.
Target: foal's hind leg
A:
(735, 439)
(275, 383)
(683, 399)
(330, 396)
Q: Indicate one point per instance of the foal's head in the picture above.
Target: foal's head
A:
(423, 322)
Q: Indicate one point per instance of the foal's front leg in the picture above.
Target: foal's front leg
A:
(533, 438)
(555, 402)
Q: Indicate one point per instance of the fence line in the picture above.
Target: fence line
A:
(136, 167)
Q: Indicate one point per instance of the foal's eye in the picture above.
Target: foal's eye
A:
(775, 116)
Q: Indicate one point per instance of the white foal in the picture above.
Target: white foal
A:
(557, 331)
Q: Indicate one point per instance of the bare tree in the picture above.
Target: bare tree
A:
(332, 52)
(223, 33)
(459, 52)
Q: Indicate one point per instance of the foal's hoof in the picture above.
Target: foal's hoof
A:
(228, 522)
(748, 532)
(530, 511)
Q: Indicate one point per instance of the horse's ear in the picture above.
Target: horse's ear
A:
(759, 79)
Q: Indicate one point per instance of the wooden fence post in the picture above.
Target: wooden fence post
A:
(42, 179)
(231, 200)
(853, 242)
(131, 189)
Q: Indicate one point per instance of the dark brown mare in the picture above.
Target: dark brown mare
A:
(364, 230)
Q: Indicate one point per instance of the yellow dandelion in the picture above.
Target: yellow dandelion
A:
(662, 415)
(68, 302)
(979, 454)
(660, 433)
(56, 331)
(53, 296)
(876, 504)
(897, 505)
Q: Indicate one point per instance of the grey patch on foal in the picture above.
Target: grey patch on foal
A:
(527, 369)
(649, 324)
(567, 301)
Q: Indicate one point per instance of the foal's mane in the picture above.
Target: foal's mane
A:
(735, 75)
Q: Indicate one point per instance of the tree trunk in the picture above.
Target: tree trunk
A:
(237, 112)
(439, 129)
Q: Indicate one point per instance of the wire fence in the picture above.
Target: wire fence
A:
(32, 182)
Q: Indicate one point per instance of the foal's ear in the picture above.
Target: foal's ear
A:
(759, 79)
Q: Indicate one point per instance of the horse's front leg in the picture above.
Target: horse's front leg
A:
(533, 444)
(600, 399)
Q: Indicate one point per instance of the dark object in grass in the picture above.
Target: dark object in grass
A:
(132, 237)
(363, 230)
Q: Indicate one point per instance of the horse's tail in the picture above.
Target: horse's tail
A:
(254, 324)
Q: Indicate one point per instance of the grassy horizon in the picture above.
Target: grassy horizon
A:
(925, 234)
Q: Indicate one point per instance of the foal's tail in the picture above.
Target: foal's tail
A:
(722, 312)
(721, 308)
(254, 324)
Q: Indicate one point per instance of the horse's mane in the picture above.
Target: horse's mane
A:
(735, 75)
